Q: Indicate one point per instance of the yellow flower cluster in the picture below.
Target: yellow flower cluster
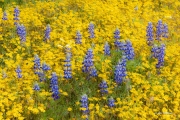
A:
(148, 95)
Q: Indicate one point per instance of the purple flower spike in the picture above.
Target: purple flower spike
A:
(149, 34)
(91, 30)
(159, 30)
(54, 86)
(111, 102)
(120, 71)
(84, 104)
(47, 33)
(78, 37)
(107, 49)
(67, 67)
(18, 71)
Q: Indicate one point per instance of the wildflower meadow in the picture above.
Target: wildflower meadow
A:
(89, 60)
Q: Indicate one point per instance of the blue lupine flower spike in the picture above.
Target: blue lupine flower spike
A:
(159, 30)
(120, 71)
(88, 65)
(18, 72)
(103, 87)
(45, 67)
(111, 102)
(161, 56)
(36, 87)
(41, 76)
(116, 36)
(16, 15)
(67, 67)
(54, 86)
(107, 49)
(129, 51)
(88, 61)
(158, 52)
(84, 104)
(21, 31)
(165, 31)
(78, 37)
(149, 34)
(91, 30)
(37, 63)
(93, 72)
(47, 33)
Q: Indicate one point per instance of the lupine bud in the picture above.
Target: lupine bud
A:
(4, 75)
(149, 34)
(78, 37)
(68, 50)
(4, 16)
(91, 30)
(18, 71)
(107, 49)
